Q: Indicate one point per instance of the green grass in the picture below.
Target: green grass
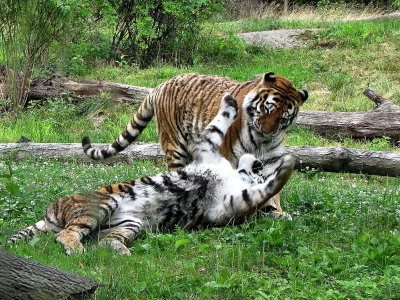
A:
(342, 243)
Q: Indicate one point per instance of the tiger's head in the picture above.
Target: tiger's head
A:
(273, 104)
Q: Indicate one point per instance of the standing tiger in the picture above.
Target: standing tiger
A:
(162, 202)
(185, 104)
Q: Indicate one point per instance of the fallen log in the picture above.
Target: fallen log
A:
(323, 158)
(383, 120)
(22, 278)
(80, 89)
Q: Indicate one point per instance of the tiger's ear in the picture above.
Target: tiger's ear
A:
(268, 78)
(303, 95)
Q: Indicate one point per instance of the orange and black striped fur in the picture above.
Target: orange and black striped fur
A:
(207, 192)
(185, 104)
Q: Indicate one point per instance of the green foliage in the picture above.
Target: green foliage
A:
(11, 189)
(220, 49)
(150, 31)
(360, 34)
(27, 29)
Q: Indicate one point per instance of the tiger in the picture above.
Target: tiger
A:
(208, 192)
(185, 104)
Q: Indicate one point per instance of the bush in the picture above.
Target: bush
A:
(152, 30)
(27, 30)
(219, 48)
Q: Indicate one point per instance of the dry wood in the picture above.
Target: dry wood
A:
(322, 158)
(21, 151)
(23, 279)
(349, 160)
(383, 120)
(57, 86)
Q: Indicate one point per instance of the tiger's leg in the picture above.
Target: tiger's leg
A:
(120, 232)
(278, 212)
(248, 200)
(177, 156)
(71, 236)
(78, 216)
(211, 138)
(273, 207)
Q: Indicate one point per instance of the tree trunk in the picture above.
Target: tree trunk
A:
(23, 279)
(285, 7)
(383, 120)
(322, 158)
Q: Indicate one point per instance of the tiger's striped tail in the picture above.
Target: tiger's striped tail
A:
(139, 122)
(29, 232)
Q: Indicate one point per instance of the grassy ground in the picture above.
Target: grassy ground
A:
(344, 240)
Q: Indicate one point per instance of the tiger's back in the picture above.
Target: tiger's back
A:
(185, 104)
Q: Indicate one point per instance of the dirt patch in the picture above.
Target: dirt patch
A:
(277, 39)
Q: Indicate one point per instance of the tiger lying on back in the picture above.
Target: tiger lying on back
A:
(185, 104)
(208, 192)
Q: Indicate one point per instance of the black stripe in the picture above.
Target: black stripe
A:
(182, 175)
(245, 195)
(117, 146)
(110, 208)
(179, 154)
(122, 188)
(81, 225)
(172, 187)
(137, 126)
(51, 222)
(142, 118)
(125, 221)
(176, 165)
(271, 160)
(93, 155)
(105, 153)
(251, 137)
(130, 138)
(147, 180)
(215, 129)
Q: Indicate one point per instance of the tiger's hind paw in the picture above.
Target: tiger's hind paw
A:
(117, 246)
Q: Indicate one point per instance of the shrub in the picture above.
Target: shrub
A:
(152, 30)
(27, 29)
